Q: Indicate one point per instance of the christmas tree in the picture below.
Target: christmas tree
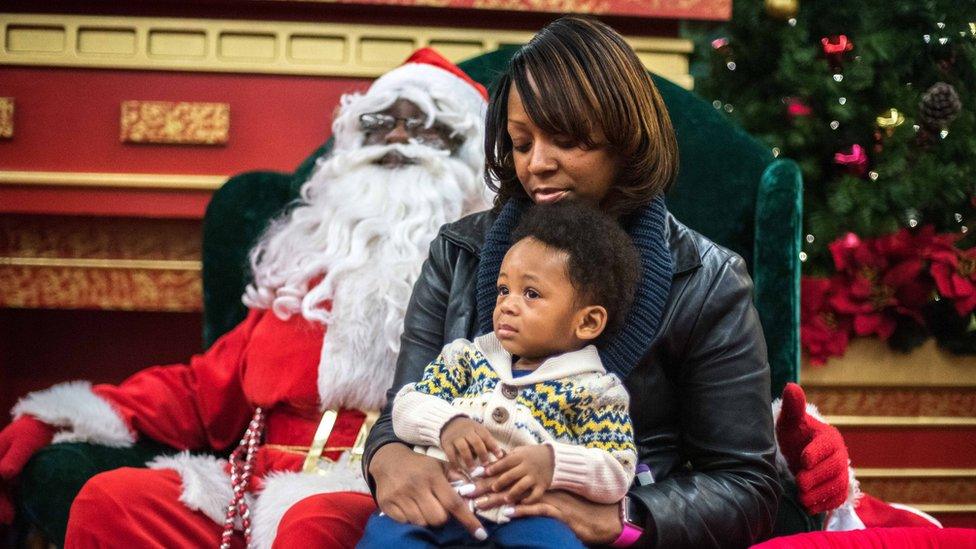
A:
(876, 101)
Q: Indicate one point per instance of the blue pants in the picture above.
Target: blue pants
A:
(382, 532)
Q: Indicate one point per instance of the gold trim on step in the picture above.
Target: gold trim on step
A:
(874, 472)
(947, 508)
(869, 362)
(896, 421)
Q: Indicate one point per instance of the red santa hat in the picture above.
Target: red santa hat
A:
(427, 69)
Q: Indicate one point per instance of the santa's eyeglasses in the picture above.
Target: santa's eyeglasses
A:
(438, 136)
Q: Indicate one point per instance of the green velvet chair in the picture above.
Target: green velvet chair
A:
(729, 188)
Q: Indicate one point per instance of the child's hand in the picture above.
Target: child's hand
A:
(464, 440)
(525, 473)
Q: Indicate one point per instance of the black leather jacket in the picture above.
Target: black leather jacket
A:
(700, 398)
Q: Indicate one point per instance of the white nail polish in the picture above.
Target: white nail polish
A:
(480, 534)
(477, 472)
(508, 510)
(466, 489)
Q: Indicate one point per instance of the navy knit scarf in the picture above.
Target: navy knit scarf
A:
(621, 353)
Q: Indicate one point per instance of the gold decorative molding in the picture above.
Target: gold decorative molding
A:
(268, 47)
(934, 402)
(6, 117)
(171, 122)
(900, 421)
(67, 262)
(931, 490)
(945, 509)
(939, 490)
(111, 289)
(909, 472)
(114, 180)
(123, 264)
(868, 362)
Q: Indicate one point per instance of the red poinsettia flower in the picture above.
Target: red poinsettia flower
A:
(954, 271)
(823, 333)
(881, 279)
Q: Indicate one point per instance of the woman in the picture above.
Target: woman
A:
(576, 117)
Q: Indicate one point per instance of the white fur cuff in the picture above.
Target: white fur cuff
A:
(82, 415)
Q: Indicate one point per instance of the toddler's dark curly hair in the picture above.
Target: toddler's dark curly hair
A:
(603, 266)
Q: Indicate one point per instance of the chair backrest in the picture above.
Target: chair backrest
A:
(723, 175)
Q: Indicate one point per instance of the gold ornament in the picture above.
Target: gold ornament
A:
(889, 120)
(782, 9)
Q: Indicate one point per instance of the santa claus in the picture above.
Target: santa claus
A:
(304, 372)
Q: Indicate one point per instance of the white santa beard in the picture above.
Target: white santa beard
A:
(367, 229)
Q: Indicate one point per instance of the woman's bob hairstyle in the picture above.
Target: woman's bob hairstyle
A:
(578, 78)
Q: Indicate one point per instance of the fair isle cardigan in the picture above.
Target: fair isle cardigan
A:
(569, 402)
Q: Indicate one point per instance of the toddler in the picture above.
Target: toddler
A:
(531, 404)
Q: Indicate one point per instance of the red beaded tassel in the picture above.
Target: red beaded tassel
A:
(241, 465)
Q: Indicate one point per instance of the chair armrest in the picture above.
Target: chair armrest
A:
(236, 216)
(779, 223)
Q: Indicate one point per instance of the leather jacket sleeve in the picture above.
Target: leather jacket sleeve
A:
(422, 340)
(727, 494)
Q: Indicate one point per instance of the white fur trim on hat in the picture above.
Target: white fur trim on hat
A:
(435, 80)
(82, 415)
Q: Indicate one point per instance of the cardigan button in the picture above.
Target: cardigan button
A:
(500, 415)
(509, 392)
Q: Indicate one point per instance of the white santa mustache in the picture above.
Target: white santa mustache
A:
(414, 152)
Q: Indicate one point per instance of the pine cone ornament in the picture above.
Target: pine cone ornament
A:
(940, 105)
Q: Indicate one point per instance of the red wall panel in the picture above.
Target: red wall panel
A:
(68, 120)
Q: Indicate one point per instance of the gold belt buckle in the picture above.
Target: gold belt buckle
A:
(318, 464)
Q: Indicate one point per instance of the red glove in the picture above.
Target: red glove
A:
(815, 453)
(19, 441)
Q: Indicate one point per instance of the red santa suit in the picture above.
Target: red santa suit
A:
(301, 393)
(264, 362)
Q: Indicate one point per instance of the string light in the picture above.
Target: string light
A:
(842, 100)
(838, 78)
(943, 134)
(775, 152)
(873, 175)
(957, 217)
(810, 239)
(834, 124)
(717, 104)
(730, 65)
(792, 21)
(803, 256)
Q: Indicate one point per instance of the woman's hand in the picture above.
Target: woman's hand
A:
(464, 439)
(524, 474)
(413, 488)
(593, 523)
